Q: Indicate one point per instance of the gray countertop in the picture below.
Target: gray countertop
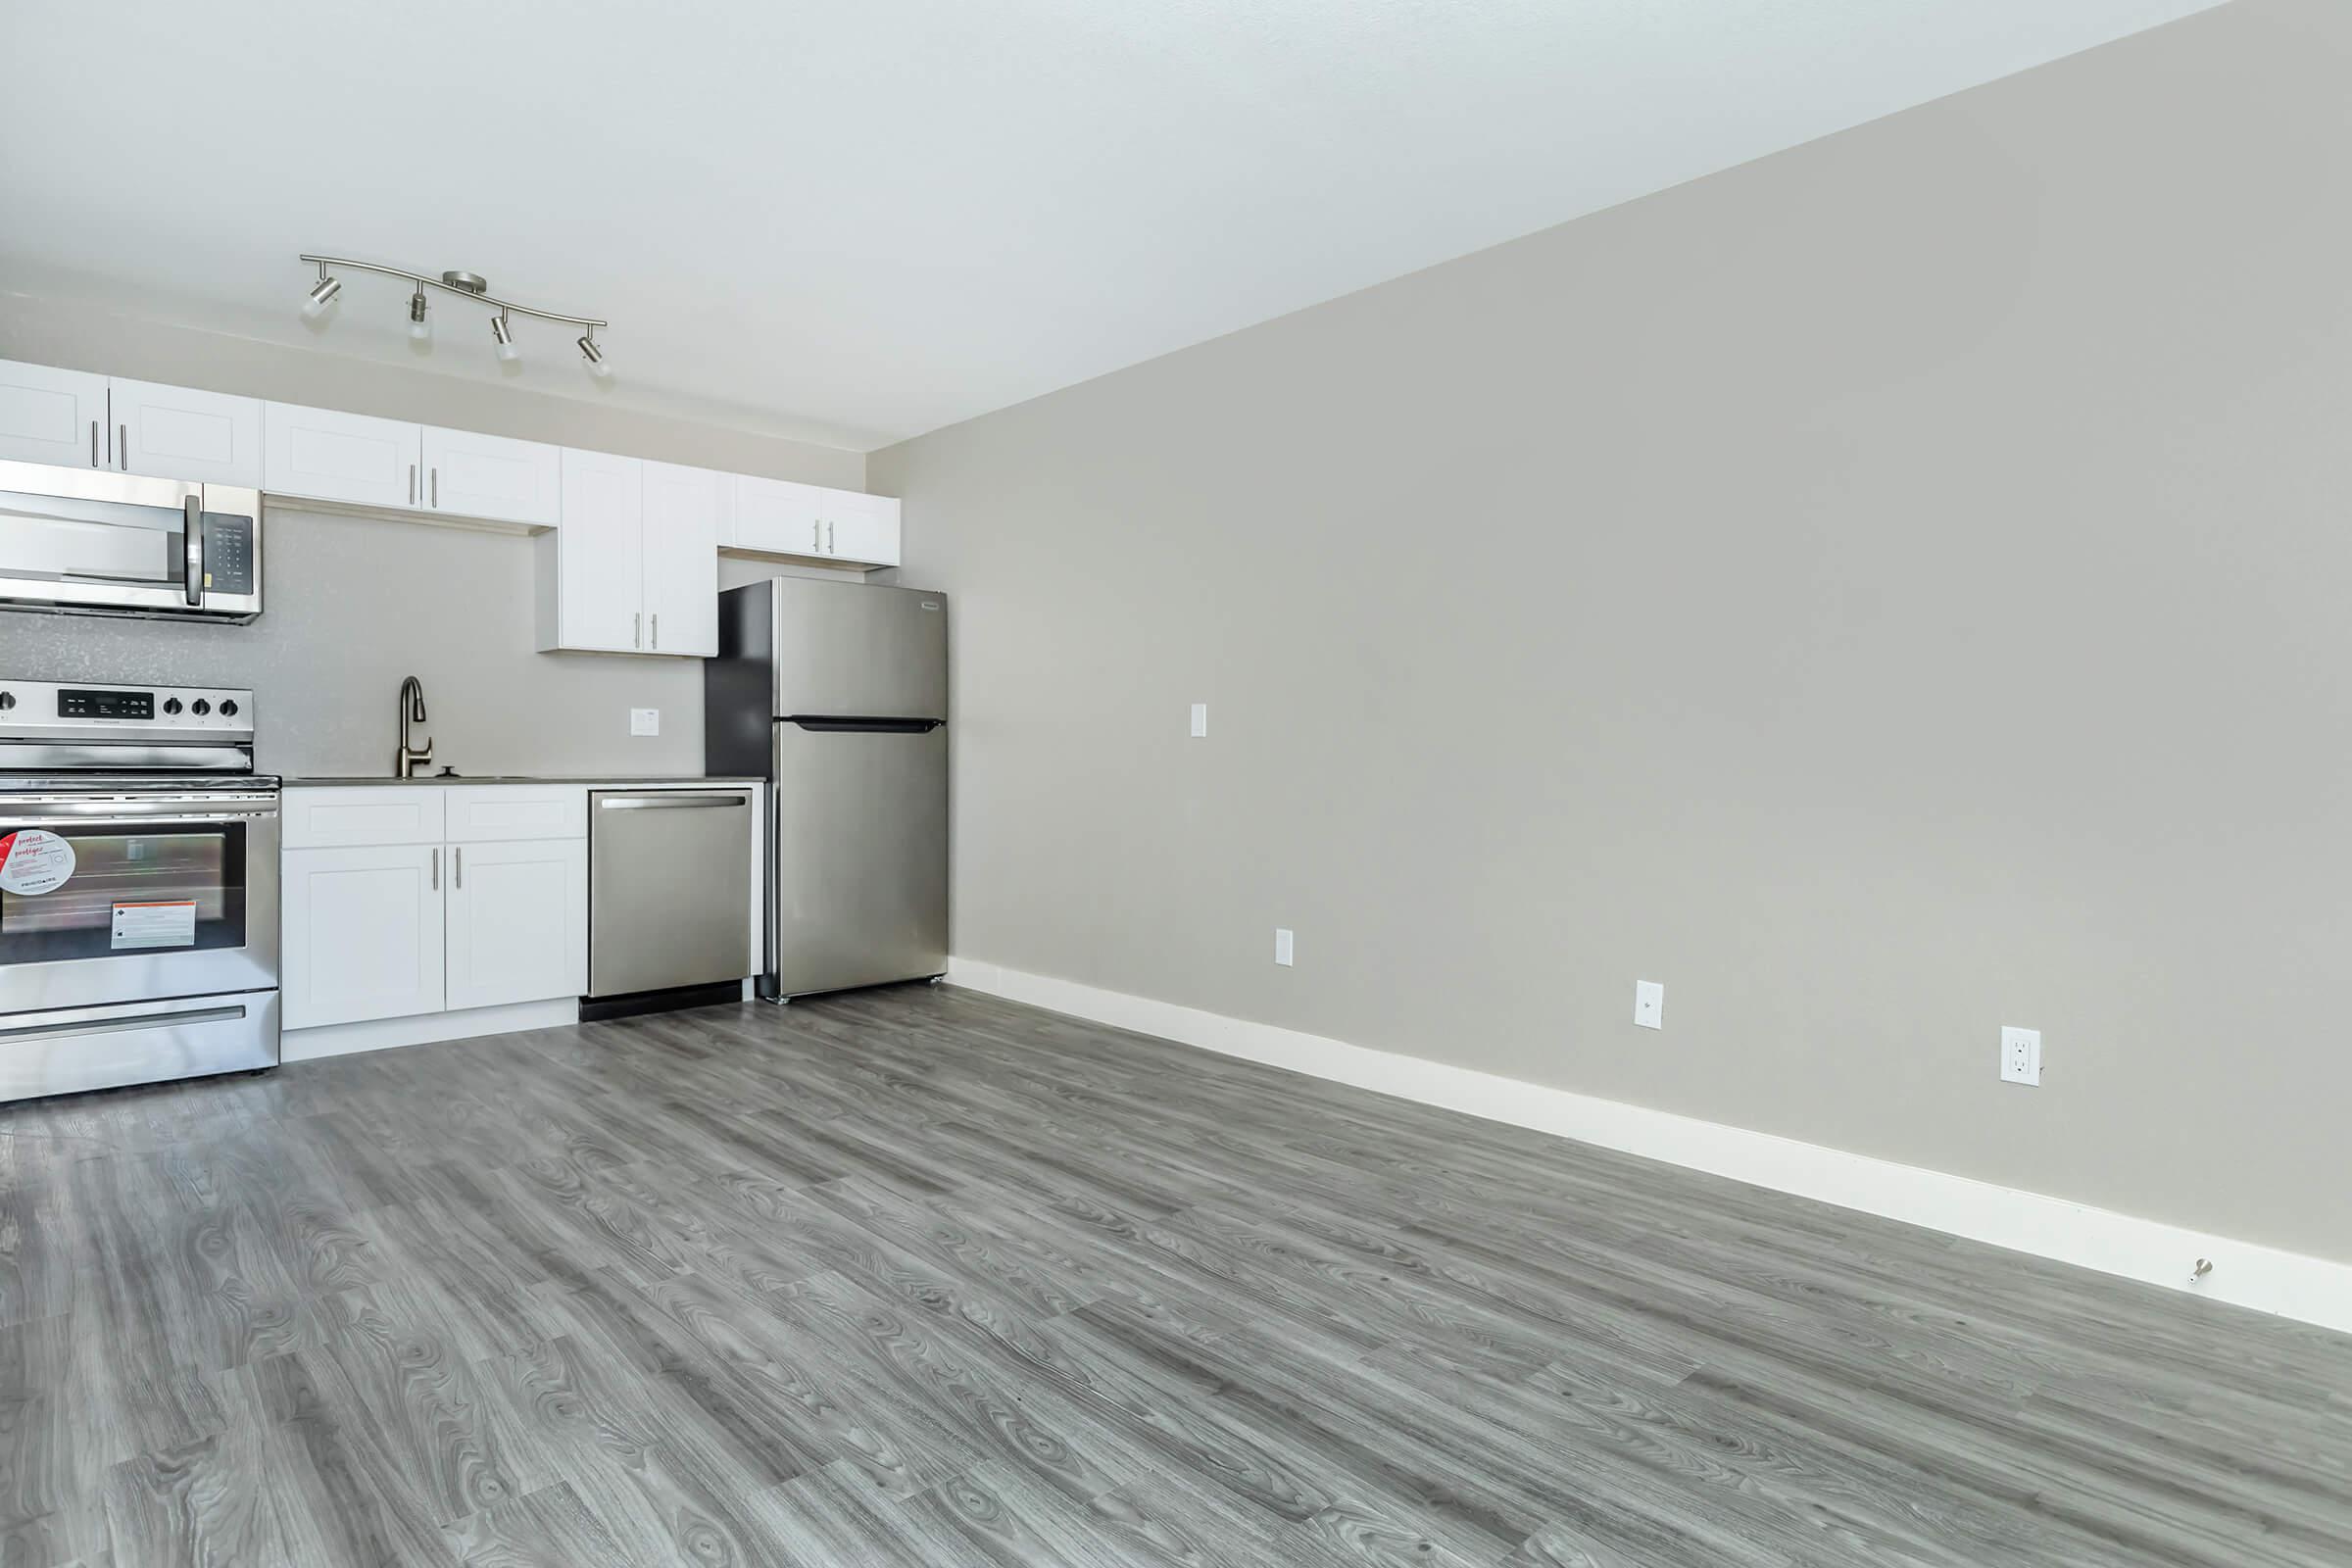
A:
(630, 780)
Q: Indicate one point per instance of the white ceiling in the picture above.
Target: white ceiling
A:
(865, 219)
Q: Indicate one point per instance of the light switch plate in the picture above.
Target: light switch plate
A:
(1650, 1003)
(1282, 947)
(644, 721)
(1200, 720)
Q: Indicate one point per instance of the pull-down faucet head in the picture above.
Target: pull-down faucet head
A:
(410, 710)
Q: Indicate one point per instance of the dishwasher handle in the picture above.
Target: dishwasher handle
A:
(667, 799)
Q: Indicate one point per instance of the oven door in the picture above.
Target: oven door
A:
(125, 545)
(161, 895)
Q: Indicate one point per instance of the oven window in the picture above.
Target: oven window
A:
(150, 889)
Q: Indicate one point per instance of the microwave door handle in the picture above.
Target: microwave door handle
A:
(193, 510)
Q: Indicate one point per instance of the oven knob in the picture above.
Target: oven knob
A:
(228, 707)
(171, 705)
(200, 705)
(8, 700)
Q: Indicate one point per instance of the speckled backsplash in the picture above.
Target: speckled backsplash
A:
(353, 604)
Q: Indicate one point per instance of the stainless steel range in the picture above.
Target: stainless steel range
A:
(138, 887)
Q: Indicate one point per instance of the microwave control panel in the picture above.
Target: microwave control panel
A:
(228, 553)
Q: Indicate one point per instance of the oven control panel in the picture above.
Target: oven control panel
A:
(35, 707)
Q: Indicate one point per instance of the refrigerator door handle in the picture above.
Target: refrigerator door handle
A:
(846, 725)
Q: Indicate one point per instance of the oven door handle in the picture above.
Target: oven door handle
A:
(129, 816)
(121, 1024)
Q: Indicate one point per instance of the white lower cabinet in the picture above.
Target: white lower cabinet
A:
(363, 934)
(472, 904)
(517, 921)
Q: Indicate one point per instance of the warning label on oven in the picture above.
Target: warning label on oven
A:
(32, 860)
(155, 925)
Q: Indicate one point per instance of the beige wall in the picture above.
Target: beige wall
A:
(1884, 592)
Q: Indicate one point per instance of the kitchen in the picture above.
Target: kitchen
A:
(915, 785)
(422, 903)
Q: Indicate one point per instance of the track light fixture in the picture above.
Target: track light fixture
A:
(465, 285)
(322, 294)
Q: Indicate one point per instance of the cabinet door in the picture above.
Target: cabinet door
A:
(362, 933)
(175, 432)
(473, 476)
(682, 516)
(600, 556)
(778, 517)
(517, 921)
(859, 528)
(331, 456)
(54, 416)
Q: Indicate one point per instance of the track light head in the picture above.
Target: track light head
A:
(322, 294)
(420, 328)
(598, 366)
(504, 336)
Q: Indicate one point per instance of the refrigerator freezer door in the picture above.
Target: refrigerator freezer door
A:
(860, 652)
(860, 893)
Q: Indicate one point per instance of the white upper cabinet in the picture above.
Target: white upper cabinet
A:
(492, 476)
(686, 512)
(175, 432)
(351, 458)
(93, 421)
(779, 517)
(861, 528)
(592, 568)
(56, 416)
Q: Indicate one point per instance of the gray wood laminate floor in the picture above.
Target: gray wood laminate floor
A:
(919, 1277)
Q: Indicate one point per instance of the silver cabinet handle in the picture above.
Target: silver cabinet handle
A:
(457, 858)
(656, 628)
(436, 487)
(816, 542)
(637, 630)
(829, 539)
(93, 443)
(123, 447)
(436, 871)
(411, 484)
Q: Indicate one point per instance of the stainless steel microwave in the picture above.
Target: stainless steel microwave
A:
(117, 544)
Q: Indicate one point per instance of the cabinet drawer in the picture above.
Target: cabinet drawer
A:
(488, 812)
(334, 818)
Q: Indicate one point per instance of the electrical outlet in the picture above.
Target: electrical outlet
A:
(644, 721)
(1650, 1003)
(1199, 721)
(2021, 1056)
(1282, 947)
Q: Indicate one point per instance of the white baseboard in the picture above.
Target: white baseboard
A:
(2289, 1284)
(382, 1033)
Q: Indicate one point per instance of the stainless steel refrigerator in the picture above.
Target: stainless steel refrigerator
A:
(837, 695)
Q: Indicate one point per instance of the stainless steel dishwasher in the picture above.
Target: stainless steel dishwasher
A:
(669, 889)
